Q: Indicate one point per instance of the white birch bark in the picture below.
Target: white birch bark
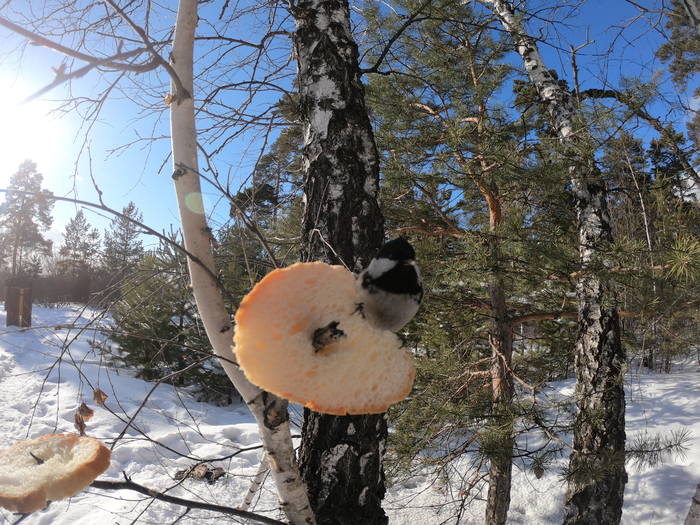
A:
(692, 7)
(269, 411)
(257, 482)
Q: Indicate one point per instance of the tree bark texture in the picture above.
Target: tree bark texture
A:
(692, 8)
(693, 517)
(598, 476)
(269, 411)
(341, 456)
(342, 222)
(501, 341)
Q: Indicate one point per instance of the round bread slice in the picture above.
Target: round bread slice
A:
(48, 468)
(358, 369)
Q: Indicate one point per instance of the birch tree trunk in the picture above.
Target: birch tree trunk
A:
(597, 470)
(269, 411)
(692, 7)
(341, 456)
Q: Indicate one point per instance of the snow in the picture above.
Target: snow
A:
(48, 370)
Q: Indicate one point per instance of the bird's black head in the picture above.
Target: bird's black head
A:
(398, 249)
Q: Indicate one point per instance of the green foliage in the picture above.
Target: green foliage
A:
(451, 144)
(646, 450)
(122, 247)
(487, 210)
(684, 259)
(657, 247)
(158, 330)
(80, 250)
(682, 53)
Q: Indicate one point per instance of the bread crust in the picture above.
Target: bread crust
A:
(363, 372)
(52, 485)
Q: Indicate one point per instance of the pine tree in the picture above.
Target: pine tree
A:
(81, 246)
(682, 52)
(158, 329)
(25, 215)
(459, 174)
(79, 255)
(122, 247)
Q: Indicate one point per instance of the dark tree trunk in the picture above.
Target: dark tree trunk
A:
(341, 463)
(597, 469)
(340, 456)
(501, 460)
(501, 342)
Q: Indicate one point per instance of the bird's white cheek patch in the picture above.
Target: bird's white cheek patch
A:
(377, 267)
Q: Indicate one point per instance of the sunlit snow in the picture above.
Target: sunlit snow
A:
(46, 372)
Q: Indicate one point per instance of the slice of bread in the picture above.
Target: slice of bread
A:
(48, 468)
(363, 371)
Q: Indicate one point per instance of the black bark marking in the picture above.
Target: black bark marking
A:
(342, 224)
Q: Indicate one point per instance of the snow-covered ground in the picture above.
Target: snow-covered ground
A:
(46, 373)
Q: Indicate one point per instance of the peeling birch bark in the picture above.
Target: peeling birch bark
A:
(597, 469)
(257, 482)
(341, 456)
(269, 411)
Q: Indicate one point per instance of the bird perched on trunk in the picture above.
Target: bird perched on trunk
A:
(390, 287)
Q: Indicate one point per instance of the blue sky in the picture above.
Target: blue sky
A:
(141, 173)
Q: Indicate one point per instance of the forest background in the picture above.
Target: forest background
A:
(475, 172)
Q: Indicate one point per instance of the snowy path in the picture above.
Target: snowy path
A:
(42, 383)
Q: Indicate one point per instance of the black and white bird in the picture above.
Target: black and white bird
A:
(390, 287)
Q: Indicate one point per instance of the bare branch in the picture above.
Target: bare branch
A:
(410, 20)
(180, 92)
(127, 484)
(654, 122)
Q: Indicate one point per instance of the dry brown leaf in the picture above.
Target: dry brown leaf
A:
(86, 412)
(99, 397)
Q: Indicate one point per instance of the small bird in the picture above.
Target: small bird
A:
(390, 287)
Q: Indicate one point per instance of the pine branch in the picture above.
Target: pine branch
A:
(651, 450)
(655, 123)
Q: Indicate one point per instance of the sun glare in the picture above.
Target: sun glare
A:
(27, 132)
